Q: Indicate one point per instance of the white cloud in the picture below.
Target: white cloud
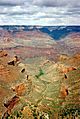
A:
(40, 12)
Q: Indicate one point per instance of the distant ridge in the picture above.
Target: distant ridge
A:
(56, 32)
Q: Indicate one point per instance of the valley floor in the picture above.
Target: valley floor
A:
(39, 88)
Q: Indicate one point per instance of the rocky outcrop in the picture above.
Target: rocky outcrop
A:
(20, 89)
(10, 105)
(3, 53)
(68, 69)
(14, 61)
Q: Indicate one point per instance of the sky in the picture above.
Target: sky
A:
(40, 12)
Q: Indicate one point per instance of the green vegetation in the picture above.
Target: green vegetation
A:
(68, 113)
(40, 73)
